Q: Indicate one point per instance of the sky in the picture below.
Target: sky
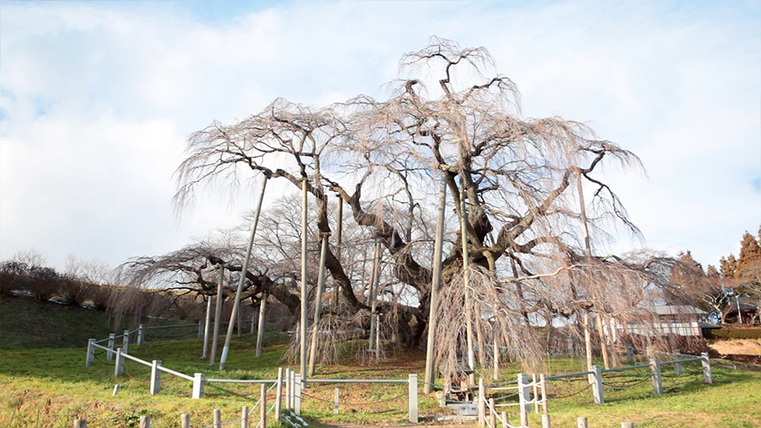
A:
(97, 100)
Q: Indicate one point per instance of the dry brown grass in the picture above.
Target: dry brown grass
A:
(737, 346)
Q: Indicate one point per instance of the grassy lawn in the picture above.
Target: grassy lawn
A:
(49, 387)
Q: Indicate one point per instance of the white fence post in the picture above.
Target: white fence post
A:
(597, 385)
(524, 393)
(288, 389)
(155, 377)
(297, 393)
(110, 353)
(125, 342)
(546, 421)
(119, 364)
(629, 353)
(90, 352)
(262, 403)
(140, 334)
(655, 372)
(707, 376)
(677, 366)
(185, 420)
(412, 389)
(279, 394)
(200, 329)
(80, 423)
(145, 421)
(198, 380)
(244, 417)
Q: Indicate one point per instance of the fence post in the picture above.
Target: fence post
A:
(244, 417)
(119, 363)
(125, 342)
(200, 329)
(145, 422)
(535, 389)
(546, 421)
(140, 334)
(524, 419)
(80, 423)
(198, 381)
(217, 418)
(597, 385)
(481, 403)
(492, 413)
(90, 352)
(543, 381)
(263, 405)
(677, 366)
(627, 424)
(288, 389)
(110, 353)
(707, 376)
(185, 420)
(297, 393)
(412, 390)
(155, 377)
(655, 372)
(279, 394)
(581, 422)
(524, 393)
(504, 420)
(336, 399)
(629, 353)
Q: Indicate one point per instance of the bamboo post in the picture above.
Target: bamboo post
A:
(145, 421)
(217, 314)
(435, 283)
(279, 394)
(244, 417)
(535, 385)
(318, 305)
(262, 322)
(185, 420)
(217, 418)
(263, 406)
(244, 270)
(303, 319)
(206, 329)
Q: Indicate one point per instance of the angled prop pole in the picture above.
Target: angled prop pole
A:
(435, 283)
(236, 303)
(303, 314)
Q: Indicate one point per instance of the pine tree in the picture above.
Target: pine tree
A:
(728, 266)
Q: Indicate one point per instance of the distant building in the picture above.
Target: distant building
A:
(666, 320)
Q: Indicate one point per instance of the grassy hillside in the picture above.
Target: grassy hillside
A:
(50, 387)
(28, 323)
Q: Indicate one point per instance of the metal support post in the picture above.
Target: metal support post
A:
(524, 394)
(678, 370)
(90, 352)
(279, 394)
(119, 363)
(141, 333)
(435, 283)
(297, 393)
(655, 372)
(125, 342)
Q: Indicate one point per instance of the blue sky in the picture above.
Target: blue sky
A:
(97, 100)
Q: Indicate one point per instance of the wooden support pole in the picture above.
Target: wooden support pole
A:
(263, 406)
(185, 420)
(244, 417)
(495, 372)
(492, 413)
(481, 403)
(206, 329)
(339, 233)
(466, 284)
(588, 345)
(536, 392)
(603, 343)
(279, 394)
(524, 419)
(217, 418)
(430, 377)
(262, 322)
(543, 381)
(80, 423)
(303, 314)
(217, 314)
(505, 422)
(318, 306)
(336, 398)
(372, 294)
(546, 421)
(581, 422)
(242, 280)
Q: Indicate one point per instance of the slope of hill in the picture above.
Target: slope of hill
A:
(28, 323)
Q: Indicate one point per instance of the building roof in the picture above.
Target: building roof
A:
(675, 310)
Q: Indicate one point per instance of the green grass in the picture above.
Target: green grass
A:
(49, 387)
